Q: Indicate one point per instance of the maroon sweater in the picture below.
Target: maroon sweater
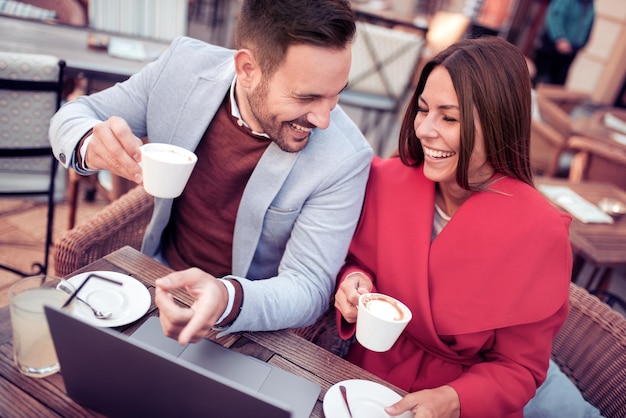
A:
(200, 231)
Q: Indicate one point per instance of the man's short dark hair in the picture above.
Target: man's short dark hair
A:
(269, 27)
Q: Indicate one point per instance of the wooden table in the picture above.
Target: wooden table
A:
(594, 127)
(30, 397)
(602, 245)
(69, 43)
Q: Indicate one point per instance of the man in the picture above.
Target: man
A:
(266, 218)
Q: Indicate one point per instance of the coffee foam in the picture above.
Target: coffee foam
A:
(169, 156)
(384, 308)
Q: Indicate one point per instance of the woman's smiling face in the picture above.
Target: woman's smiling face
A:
(438, 127)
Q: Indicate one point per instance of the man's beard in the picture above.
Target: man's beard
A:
(269, 123)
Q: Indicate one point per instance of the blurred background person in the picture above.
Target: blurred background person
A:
(567, 28)
(492, 18)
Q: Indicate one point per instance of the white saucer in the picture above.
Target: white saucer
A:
(128, 302)
(367, 400)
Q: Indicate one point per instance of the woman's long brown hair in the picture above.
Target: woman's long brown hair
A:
(490, 75)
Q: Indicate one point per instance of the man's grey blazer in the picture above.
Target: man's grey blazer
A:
(298, 211)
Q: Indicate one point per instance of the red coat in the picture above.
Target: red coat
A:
(487, 295)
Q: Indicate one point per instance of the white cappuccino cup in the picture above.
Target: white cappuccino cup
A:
(380, 321)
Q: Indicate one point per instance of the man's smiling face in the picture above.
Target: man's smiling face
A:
(299, 95)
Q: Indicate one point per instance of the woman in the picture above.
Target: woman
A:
(455, 229)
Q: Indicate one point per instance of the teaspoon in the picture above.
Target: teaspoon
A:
(344, 395)
(69, 289)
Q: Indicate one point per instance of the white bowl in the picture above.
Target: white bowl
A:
(612, 207)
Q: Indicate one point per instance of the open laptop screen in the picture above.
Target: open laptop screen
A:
(125, 377)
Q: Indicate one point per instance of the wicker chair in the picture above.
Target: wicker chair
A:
(121, 223)
(590, 348)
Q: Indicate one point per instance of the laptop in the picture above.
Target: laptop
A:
(148, 374)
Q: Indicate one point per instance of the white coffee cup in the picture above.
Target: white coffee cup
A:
(380, 321)
(166, 169)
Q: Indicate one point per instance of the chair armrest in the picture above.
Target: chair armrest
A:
(609, 152)
(563, 97)
(591, 350)
(121, 223)
(597, 161)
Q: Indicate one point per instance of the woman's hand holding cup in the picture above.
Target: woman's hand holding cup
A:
(347, 297)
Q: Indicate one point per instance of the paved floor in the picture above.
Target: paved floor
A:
(22, 233)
